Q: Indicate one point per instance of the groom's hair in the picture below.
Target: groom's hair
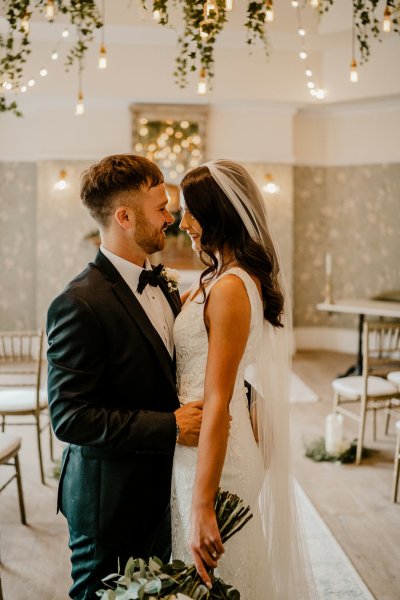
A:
(107, 181)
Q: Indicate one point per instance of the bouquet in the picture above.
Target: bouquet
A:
(176, 580)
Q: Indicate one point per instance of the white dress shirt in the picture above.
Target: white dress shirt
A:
(152, 299)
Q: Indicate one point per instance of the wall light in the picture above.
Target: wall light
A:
(62, 183)
(269, 186)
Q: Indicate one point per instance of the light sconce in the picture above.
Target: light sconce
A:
(269, 185)
(62, 183)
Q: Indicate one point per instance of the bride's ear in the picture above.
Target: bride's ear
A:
(125, 217)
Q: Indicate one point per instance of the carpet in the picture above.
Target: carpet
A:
(300, 392)
(335, 576)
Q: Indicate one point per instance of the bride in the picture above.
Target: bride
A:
(234, 327)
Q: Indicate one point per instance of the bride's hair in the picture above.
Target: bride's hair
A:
(222, 228)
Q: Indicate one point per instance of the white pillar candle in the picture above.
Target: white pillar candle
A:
(328, 264)
(334, 433)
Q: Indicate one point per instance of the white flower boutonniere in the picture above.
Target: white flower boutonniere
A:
(171, 278)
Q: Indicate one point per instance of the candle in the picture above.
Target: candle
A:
(334, 433)
(328, 264)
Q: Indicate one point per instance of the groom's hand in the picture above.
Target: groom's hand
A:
(188, 418)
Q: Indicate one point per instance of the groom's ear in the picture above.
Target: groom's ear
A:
(125, 217)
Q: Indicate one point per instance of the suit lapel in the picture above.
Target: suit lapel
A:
(137, 313)
(173, 298)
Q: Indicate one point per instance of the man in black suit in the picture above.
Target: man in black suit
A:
(111, 381)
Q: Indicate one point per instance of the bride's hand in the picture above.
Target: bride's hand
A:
(205, 541)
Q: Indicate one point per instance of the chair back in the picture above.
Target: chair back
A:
(21, 359)
(381, 348)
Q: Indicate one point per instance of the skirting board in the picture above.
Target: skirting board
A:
(326, 338)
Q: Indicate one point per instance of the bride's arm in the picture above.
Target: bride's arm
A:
(227, 315)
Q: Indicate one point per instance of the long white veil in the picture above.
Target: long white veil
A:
(288, 563)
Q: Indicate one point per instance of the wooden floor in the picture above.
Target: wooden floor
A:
(353, 501)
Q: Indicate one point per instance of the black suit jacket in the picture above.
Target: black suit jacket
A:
(111, 389)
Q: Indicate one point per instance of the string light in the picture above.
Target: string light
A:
(25, 23)
(102, 64)
(303, 54)
(386, 25)
(353, 64)
(228, 5)
(353, 71)
(50, 10)
(269, 11)
(43, 72)
(54, 55)
(301, 31)
(65, 33)
(202, 84)
(31, 82)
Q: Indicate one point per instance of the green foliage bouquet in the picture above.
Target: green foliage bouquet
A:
(176, 580)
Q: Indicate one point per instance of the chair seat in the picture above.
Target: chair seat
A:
(8, 445)
(394, 377)
(20, 400)
(353, 387)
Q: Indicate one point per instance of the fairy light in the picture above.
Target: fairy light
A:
(303, 54)
(316, 92)
(50, 10)
(23, 89)
(269, 11)
(386, 25)
(308, 73)
(31, 82)
(54, 55)
(301, 31)
(65, 33)
(43, 72)
(202, 84)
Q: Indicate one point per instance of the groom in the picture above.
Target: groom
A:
(111, 380)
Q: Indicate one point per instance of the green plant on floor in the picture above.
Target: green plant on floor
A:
(317, 452)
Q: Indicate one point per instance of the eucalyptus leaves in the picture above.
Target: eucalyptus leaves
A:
(176, 580)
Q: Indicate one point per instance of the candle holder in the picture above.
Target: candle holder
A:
(328, 289)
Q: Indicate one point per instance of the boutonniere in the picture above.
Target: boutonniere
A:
(171, 278)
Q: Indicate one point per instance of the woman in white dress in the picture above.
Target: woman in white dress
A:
(233, 328)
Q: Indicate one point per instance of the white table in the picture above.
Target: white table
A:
(362, 308)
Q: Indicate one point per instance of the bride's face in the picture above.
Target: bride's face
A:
(192, 228)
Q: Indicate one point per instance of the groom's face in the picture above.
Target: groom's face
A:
(152, 219)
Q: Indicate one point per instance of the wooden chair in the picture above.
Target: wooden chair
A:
(371, 390)
(396, 470)
(9, 448)
(393, 406)
(20, 381)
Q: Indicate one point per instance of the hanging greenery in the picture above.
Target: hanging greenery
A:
(15, 46)
(203, 22)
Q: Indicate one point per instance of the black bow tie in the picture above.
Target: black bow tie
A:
(149, 277)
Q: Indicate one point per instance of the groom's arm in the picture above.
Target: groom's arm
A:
(79, 413)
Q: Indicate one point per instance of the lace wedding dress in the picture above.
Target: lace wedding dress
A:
(244, 564)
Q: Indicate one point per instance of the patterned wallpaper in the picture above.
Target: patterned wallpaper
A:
(354, 214)
(351, 212)
(17, 245)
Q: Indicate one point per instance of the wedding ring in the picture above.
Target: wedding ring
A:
(214, 555)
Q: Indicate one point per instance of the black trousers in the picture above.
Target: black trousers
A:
(92, 558)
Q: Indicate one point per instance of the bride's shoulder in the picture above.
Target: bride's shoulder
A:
(238, 276)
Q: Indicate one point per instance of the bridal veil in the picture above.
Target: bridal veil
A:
(270, 376)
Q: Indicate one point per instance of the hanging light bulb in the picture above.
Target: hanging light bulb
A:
(62, 182)
(386, 25)
(54, 55)
(204, 29)
(202, 85)
(23, 89)
(25, 23)
(269, 11)
(156, 15)
(310, 85)
(50, 10)
(308, 73)
(31, 82)
(43, 72)
(211, 10)
(314, 3)
(303, 54)
(102, 57)
(65, 33)
(295, 3)
(80, 106)
(301, 31)
(320, 94)
(269, 185)
(228, 5)
(353, 71)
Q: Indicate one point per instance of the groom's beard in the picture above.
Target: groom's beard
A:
(148, 237)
